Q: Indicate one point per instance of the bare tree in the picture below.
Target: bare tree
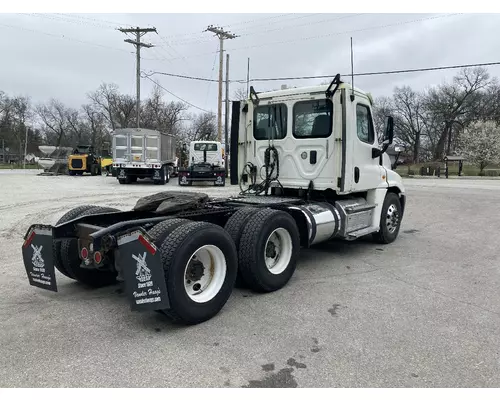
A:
(53, 117)
(104, 100)
(458, 103)
(240, 94)
(409, 117)
(202, 127)
(125, 111)
(96, 125)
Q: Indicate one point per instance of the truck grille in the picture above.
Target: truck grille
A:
(77, 163)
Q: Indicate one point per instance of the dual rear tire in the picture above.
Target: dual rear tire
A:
(202, 261)
(200, 266)
(268, 244)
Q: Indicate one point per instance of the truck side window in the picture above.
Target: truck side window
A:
(364, 124)
(270, 122)
(312, 119)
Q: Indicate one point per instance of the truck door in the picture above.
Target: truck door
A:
(152, 148)
(137, 148)
(120, 147)
(303, 152)
(366, 172)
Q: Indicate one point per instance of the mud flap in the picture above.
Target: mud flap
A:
(220, 179)
(183, 178)
(142, 270)
(38, 257)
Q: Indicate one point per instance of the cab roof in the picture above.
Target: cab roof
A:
(308, 90)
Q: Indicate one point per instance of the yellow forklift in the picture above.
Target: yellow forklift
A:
(84, 159)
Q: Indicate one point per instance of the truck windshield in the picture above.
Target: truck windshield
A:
(270, 122)
(205, 146)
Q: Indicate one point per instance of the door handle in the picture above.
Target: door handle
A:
(356, 174)
(313, 156)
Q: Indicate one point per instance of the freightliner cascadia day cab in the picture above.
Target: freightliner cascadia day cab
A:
(310, 168)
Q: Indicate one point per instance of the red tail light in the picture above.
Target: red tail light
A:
(97, 257)
(84, 253)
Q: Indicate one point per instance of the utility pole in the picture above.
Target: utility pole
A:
(221, 34)
(248, 77)
(226, 122)
(139, 32)
(25, 148)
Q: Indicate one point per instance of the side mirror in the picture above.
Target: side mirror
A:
(387, 139)
(389, 130)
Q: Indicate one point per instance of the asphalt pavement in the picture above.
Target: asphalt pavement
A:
(421, 312)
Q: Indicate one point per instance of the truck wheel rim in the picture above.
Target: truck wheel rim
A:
(278, 251)
(392, 218)
(205, 273)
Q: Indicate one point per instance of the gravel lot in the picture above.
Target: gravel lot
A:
(422, 312)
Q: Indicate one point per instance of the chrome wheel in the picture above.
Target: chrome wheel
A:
(392, 218)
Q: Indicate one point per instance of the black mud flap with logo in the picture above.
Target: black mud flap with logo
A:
(183, 177)
(38, 257)
(142, 269)
(158, 174)
(220, 178)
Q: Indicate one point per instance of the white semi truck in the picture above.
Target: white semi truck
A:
(143, 153)
(205, 164)
(311, 168)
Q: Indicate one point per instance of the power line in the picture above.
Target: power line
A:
(61, 36)
(345, 32)
(184, 42)
(181, 99)
(290, 78)
(329, 34)
(68, 20)
(265, 19)
(280, 28)
(211, 74)
(112, 23)
(241, 23)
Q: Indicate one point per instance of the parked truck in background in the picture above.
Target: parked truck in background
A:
(205, 163)
(143, 154)
(311, 168)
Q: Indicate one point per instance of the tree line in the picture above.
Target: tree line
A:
(460, 117)
(107, 109)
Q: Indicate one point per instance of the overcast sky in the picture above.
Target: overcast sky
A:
(65, 56)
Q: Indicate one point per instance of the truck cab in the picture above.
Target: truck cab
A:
(205, 163)
(319, 142)
(311, 168)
